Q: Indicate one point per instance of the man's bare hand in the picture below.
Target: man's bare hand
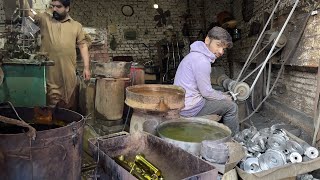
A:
(86, 74)
(227, 96)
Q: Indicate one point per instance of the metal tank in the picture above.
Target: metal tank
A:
(192, 145)
(54, 153)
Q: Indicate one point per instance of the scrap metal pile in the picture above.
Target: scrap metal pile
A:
(272, 147)
(22, 39)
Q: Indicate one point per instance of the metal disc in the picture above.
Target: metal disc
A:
(295, 157)
(311, 152)
(271, 158)
(293, 146)
(251, 165)
(243, 91)
(277, 142)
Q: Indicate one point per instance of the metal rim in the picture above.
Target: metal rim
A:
(194, 120)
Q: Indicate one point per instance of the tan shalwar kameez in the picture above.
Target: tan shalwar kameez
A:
(59, 40)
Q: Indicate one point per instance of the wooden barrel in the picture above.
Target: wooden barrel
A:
(109, 100)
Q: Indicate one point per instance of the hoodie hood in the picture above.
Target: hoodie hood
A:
(200, 47)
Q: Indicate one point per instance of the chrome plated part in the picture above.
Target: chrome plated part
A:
(251, 165)
(277, 142)
(311, 152)
(271, 158)
(293, 146)
(295, 157)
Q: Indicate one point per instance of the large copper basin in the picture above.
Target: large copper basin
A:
(155, 97)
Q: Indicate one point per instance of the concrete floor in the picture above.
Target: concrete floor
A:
(272, 113)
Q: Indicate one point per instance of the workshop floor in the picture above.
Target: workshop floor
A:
(266, 118)
(262, 119)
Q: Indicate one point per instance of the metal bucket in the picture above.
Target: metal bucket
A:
(53, 154)
(192, 147)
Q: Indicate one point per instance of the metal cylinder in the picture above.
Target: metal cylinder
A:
(54, 154)
(137, 74)
(240, 89)
(109, 100)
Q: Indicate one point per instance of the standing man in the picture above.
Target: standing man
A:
(60, 35)
(193, 75)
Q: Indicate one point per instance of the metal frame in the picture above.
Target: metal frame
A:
(270, 54)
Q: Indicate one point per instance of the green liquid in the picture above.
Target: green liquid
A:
(193, 132)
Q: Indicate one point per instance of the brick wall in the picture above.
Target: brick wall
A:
(107, 14)
(212, 9)
(296, 88)
(297, 85)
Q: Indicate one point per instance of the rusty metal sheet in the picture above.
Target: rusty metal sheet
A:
(54, 154)
(155, 97)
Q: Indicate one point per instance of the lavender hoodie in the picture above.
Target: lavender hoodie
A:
(193, 75)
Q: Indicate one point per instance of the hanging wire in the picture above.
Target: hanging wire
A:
(13, 108)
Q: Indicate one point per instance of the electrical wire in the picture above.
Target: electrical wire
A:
(13, 108)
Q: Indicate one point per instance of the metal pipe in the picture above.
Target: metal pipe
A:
(173, 56)
(274, 44)
(179, 58)
(269, 77)
(165, 76)
(257, 42)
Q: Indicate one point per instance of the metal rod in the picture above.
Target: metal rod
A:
(269, 78)
(274, 44)
(173, 55)
(179, 58)
(165, 76)
(257, 42)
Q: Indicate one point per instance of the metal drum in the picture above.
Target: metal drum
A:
(55, 153)
(110, 97)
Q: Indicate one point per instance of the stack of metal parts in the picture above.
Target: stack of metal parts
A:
(141, 168)
(271, 147)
